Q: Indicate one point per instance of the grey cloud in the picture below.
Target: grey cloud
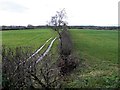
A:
(12, 7)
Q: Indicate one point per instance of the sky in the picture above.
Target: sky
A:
(79, 12)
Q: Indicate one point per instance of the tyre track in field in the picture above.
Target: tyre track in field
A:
(47, 50)
(37, 51)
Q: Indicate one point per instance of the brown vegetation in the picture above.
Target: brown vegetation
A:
(18, 73)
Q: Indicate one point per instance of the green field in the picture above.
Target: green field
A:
(98, 50)
(99, 44)
(31, 38)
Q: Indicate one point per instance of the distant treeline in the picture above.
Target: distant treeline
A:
(70, 27)
(95, 27)
(21, 27)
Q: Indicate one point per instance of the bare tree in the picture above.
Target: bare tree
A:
(58, 21)
(59, 24)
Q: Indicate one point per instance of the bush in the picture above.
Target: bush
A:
(68, 64)
(65, 44)
(68, 60)
(15, 68)
(21, 73)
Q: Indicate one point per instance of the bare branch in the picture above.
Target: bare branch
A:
(39, 81)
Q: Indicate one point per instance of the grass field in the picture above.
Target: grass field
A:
(31, 38)
(98, 50)
(101, 44)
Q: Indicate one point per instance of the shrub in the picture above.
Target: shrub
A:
(21, 73)
(15, 68)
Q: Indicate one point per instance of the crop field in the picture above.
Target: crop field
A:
(97, 50)
(30, 38)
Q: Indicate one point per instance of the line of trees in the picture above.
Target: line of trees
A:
(21, 27)
(69, 27)
(95, 27)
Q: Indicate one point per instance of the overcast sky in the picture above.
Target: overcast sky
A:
(79, 12)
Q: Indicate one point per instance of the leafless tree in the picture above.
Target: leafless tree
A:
(59, 24)
(65, 46)
(58, 21)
